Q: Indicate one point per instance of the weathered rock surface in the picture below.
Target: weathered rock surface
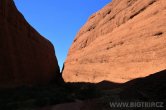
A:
(123, 41)
(26, 58)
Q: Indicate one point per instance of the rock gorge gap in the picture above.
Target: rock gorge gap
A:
(123, 43)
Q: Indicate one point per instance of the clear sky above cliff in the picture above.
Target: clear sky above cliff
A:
(59, 20)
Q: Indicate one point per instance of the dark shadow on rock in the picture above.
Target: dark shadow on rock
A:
(150, 88)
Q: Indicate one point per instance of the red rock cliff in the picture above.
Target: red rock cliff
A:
(123, 41)
(26, 58)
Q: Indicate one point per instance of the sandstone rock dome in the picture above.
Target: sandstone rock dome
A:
(123, 41)
(26, 58)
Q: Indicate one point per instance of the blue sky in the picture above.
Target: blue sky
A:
(59, 20)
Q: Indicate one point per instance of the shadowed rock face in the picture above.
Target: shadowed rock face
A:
(147, 89)
(26, 58)
(123, 41)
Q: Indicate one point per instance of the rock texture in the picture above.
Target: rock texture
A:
(123, 41)
(26, 58)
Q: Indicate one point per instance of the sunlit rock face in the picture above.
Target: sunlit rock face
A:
(26, 58)
(123, 41)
